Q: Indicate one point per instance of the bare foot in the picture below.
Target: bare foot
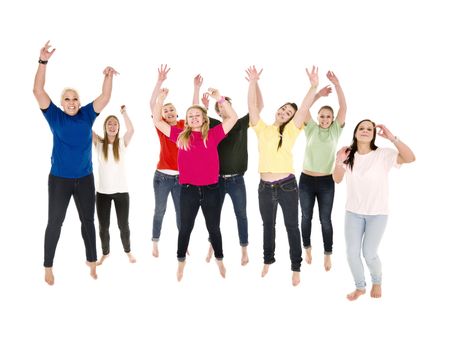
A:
(376, 291)
(309, 255)
(155, 249)
(355, 294)
(265, 269)
(327, 262)
(93, 269)
(295, 278)
(209, 253)
(102, 259)
(245, 258)
(180, 272)
(131, 258)
(222, 268)
(49, 278)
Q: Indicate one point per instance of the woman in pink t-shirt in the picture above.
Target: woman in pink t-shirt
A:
(198, 165)
(367, 167)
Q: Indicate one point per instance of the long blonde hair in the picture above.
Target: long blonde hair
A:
(183, 141)
(105, 140)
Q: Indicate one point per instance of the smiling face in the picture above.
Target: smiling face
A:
(195, 118)
(325, 118)
(169, 113)
(70, 102)
(365, 132)
(284, 114)
(111, 126)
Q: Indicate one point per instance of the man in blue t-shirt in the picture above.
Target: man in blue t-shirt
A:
(71, 161)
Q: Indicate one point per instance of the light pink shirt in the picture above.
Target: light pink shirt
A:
(367, 182)
(199, 165)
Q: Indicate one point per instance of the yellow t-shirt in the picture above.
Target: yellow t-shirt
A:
(272, 159)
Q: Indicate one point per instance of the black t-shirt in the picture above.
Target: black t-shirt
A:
(233, 149)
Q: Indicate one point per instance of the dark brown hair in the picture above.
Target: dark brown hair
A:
(282, 126)
(353, 147)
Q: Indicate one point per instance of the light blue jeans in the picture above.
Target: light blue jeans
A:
(363, 233)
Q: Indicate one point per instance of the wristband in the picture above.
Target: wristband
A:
(395, 140)
(42, 61)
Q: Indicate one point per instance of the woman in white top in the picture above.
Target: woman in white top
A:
(367, 167)
(112, 184)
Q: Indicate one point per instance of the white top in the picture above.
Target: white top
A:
(367, 183)
(111, 174)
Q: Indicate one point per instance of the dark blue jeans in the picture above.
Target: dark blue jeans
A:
(284, 193)
(121, 203)
(192, 198)
(163, 185)
(235, 187)
(322, 188)
(60, 190)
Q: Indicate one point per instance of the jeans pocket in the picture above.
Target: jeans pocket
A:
(289, 186)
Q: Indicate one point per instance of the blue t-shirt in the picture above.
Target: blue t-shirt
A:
(72, 141)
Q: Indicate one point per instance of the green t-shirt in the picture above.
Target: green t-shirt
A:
(321, 145)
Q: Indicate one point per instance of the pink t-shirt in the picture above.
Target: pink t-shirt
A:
(367, 182)
(199, 165)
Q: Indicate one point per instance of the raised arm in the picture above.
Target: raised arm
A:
(129, 126)
(95, 138)
(197, 82)
(228, 123)
(162, 75)
(158, 121)
(259, 98)
(301, 114)
(341, 114)
(39, 80)
(405, 155)
(339, 170)
(253, 107)
(106, 91)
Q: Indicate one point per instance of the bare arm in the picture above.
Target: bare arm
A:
(197, 82)
(129, 126)
(162, 75)
(341, 114)
(253, 76)
(259, 98)
(405, 155)
(339, 170)
(95, 138)
(158, 121)
(228, 123)
(39, 80)
(106, 91)
(301, 114)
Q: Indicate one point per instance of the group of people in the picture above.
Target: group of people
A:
(203, 159)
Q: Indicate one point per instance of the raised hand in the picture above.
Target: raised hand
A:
(198, 81)
(109, 71)
(384, 132)
(332, 78)
(325, 91)
(162, 73)
(313, 76)
(205, 100)
(214, 93)
(253, 74)
(45, 52)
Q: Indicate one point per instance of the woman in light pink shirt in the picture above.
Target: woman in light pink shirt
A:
(198, 165)
(366, 167)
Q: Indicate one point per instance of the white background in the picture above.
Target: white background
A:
(391, 59)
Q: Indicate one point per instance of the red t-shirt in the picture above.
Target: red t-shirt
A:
(168, 156)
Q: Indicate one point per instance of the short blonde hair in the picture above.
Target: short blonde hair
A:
(67, 89)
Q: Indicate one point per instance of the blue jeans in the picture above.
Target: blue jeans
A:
(323, 189)
(163, 185)
(60, 190)
(235, 187)
(192, 199)
(363, 233)
(284, 193)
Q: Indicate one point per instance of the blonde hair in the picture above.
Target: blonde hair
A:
(67, 89)
(105, 142)
(183, 141)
